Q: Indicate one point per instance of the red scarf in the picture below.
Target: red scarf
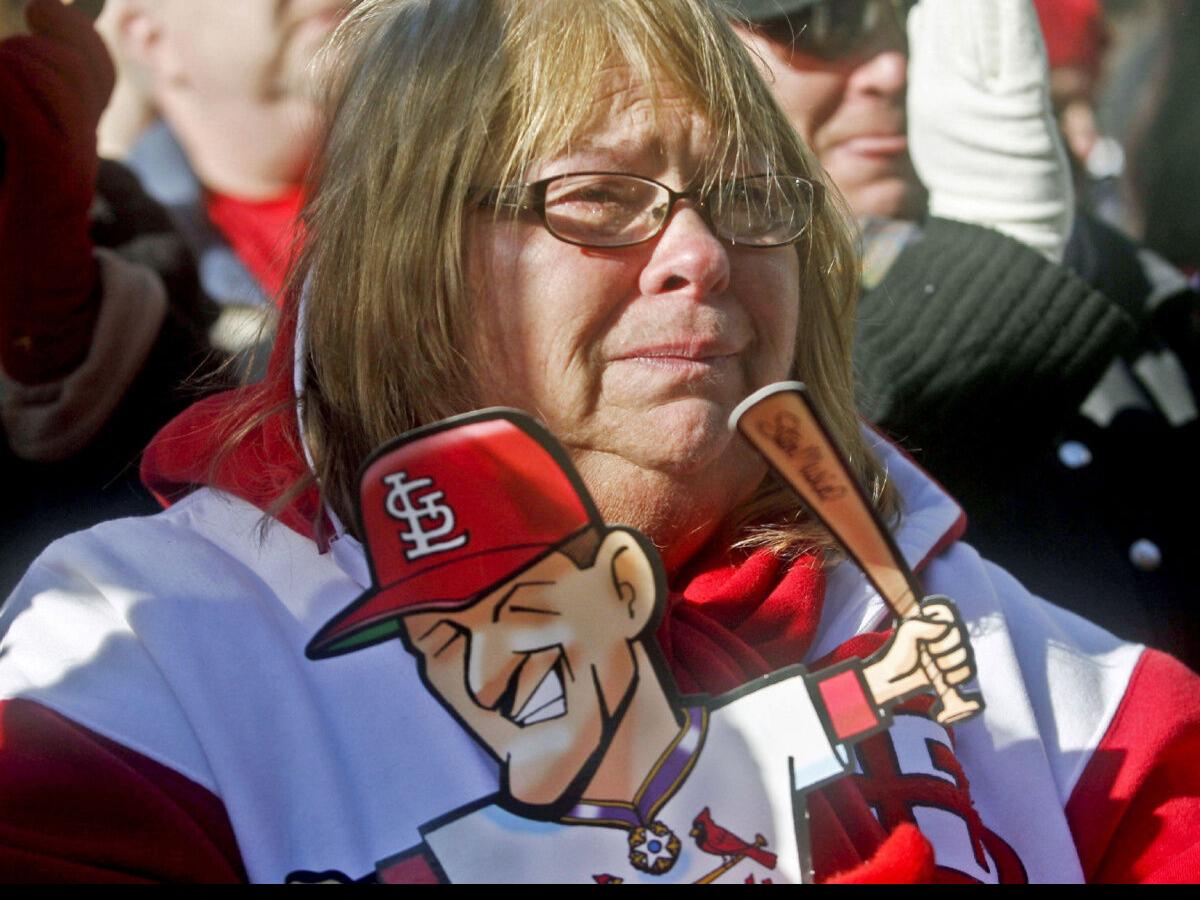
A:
(262, 233)
(734, 617)
(731, 617)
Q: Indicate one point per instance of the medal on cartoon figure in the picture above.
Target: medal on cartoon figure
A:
(653, 848)
(532, 621)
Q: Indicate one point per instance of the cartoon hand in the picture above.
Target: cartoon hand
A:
(898, 669)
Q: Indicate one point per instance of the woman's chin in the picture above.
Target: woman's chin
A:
(682, 437)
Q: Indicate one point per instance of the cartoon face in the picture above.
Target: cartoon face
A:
(540, 668)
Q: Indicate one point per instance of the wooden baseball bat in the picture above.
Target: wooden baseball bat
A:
(781, 423)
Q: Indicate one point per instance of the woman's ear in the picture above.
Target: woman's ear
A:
(634, 577)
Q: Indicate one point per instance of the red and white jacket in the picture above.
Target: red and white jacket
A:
(159, 718)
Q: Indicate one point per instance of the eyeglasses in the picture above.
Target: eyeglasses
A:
(612, 209)
(829, 29)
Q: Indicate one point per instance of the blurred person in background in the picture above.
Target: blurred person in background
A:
(1164, 150)
(104, 323)
(1149, 103)
(1077, 40)
(972, 347)
(1136, 275)
(1147, 396)
(234, 92)
(130, 111)
(101, 319)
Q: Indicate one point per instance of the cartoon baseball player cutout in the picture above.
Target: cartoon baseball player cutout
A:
(533, 622)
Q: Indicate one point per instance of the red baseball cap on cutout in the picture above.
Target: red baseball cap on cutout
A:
(451, 511)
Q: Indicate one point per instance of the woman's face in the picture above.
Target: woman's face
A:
(635, 355)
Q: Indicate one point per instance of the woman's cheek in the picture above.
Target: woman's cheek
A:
(769, 283)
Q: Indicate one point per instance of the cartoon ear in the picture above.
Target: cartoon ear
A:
(635, 580)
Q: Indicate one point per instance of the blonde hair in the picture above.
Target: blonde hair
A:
(437, 102)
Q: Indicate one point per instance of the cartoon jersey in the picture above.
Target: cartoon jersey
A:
(911, 774)
(724, 804)
(532, 621)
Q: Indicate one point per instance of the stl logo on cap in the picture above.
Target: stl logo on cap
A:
(513, 497)
(424, 541)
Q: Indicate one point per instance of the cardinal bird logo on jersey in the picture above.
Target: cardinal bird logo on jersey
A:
(712, 838)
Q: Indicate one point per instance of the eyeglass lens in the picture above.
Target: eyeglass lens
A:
(762, 210)
(611, 210)
(606, 209)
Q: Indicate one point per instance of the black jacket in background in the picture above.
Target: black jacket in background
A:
(975, 353)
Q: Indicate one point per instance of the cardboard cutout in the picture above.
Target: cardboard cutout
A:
(533, 621)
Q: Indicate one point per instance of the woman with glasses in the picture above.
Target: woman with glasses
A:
(596, 213)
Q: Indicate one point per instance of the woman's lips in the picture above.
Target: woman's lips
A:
(678, 358)
(695, 350)
(679, 363)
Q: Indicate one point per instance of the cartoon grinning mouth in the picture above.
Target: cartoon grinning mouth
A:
(548, 700)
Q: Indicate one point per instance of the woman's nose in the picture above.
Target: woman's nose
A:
(688, 259)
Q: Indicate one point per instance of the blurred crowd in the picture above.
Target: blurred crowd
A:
(1087, 428)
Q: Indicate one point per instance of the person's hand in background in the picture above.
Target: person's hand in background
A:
(54, 85)
(981, 128)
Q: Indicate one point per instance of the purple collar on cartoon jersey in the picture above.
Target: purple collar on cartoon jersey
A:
(660, 785)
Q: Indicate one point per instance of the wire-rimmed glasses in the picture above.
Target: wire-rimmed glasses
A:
(616, 209)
